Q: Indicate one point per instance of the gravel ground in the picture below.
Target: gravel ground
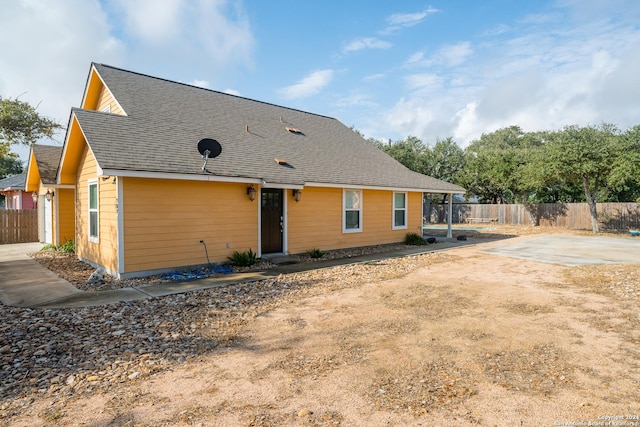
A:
(65, 356)
(77, 352)
(70, 268)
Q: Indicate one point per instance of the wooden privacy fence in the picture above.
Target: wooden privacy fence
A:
(18, 226)
(611, 216)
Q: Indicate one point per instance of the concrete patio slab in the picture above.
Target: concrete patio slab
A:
(569, 250)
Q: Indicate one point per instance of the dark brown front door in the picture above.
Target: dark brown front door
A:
(272, 220)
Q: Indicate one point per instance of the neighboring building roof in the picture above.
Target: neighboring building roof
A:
(47, 158)
(13, 183)
(165, 120)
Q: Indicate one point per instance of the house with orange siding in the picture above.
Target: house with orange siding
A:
(55, 203)
(167, 176)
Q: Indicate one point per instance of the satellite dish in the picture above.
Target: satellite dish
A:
(211, 145)
(209, 148)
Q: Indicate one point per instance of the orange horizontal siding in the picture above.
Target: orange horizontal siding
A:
(316, 221)
(165, 220)
(103, 253)
(66, 218)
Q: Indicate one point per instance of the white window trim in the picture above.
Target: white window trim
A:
(93, 239)
(344, 211)
(106, 108)
(405, 209)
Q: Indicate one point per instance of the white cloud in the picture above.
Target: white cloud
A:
(568, 66)
(207, 32)
(374, 77)
(310, 85)
(200, 83)
(151, 20)
(497, 30)
(232, 92)
(47, 48)
(450, 55)
(224, 32)
(416, 58)
(455, 54)
(424, 81)
(403, 20)
(355, 100)
(366, 43)
(409, 117)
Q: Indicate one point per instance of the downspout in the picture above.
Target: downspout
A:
(449, 215)
(120, 227)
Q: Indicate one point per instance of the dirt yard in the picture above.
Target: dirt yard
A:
(469, 339)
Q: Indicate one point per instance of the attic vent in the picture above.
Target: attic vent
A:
(294, 130)
(283, 162)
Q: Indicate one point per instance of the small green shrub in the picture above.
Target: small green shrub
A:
(48, 247)
(315, 253)
(414, 239)
(244, 259)
(69, 247)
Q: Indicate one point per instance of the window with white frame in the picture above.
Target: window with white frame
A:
(93, 211)
(399, 211)
(352, 211)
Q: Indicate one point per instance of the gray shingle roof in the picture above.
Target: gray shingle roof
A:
(165, 120)
(47, 159)
(14, 182)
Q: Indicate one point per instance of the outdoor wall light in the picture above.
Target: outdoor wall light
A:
(297, 194)
(34, 197)
(49, 195)
(251, 192)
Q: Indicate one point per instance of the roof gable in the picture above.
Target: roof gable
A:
(165, 120)
(93, 89)
(43, 165)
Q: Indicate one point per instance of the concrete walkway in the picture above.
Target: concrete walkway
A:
(26, 283)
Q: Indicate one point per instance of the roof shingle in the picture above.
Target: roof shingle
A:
(165, 120)
(48, 160)
(14, 182)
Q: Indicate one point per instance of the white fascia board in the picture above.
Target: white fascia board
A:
(369, 187)
(266, 184)
(178, 176)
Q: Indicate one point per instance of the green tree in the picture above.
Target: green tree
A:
(589, 157)
(377, 143)
(506, 166)
(410, 152)
(490, 164)
(444, 160)
(20, 123)
(624, 179)
(10, 165)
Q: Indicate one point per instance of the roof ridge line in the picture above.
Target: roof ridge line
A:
(212, 90)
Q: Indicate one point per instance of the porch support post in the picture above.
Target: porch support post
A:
(449, 215)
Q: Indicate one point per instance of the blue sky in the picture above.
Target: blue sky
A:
(432, 69)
